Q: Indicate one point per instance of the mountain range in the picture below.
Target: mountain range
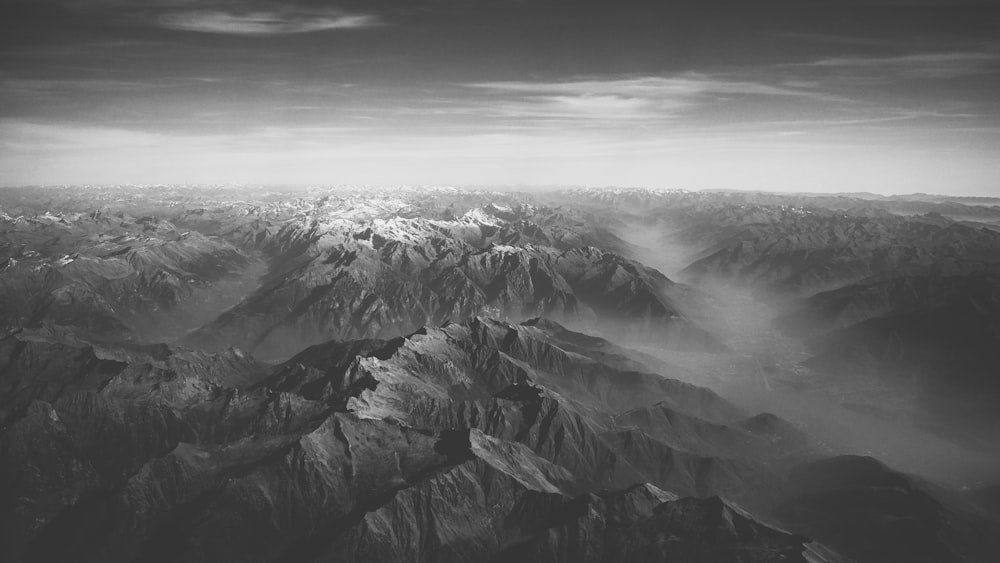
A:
(442, 374)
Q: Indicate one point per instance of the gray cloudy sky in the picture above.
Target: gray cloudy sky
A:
(813, 95)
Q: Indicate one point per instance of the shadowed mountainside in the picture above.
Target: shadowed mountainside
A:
(438, 374)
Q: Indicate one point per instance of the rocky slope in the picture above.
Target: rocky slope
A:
(937, 335)
(801, 244)
(376, 278)
(111, 277)
(474, 440)
(146, 452)
(806, 253)
(434, 384)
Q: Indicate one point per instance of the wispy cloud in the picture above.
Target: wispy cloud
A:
(681, 85)
(835, 39)
(624, 98)
(265, 22)
(60, 154)
(33, 137)
(922, 65)
(39, 87)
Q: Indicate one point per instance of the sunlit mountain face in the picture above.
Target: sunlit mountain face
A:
(447, 374)
(886, 97)
(513, 281)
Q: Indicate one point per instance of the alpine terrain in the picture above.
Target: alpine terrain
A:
(445, 374)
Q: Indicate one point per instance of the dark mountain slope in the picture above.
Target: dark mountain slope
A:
(151, 462)
(809, 252)
(435, 427)
(946, 348)
(874, 514)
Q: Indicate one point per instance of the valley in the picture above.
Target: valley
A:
(447, 374)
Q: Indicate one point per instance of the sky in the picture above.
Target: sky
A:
(810, 95)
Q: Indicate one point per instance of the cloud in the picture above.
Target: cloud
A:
(625, 98)
(923, 65)
(681, 85)
(599, 105)
(34, 87)
(27, 137)
(261, 23)
(835, 39)
(55, 154)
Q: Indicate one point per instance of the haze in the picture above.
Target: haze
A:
(887, 97)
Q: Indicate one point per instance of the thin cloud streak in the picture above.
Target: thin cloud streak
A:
(264, 23)
(650, 98)
(32, 137)
(687, 84)
(922, 65)
(265, 88)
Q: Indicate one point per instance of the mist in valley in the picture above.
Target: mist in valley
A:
(848, 413)
(326, 325)
(443, 281)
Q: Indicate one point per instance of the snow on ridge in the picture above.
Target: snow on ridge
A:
(481, 216)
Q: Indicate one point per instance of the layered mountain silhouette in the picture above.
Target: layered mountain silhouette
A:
(375, 278)
(438, 374)
(806, 252)
(432, 443)
(937, 333)
(113, 277)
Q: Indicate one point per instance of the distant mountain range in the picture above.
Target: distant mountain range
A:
(453, 375)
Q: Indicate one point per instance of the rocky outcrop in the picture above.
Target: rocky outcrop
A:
(388, 277)
(466, 407)
(433, 444)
